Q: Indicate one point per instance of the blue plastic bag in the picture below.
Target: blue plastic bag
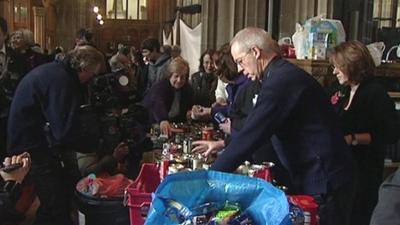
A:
(263, 202)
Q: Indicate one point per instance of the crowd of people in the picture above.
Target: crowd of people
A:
(327, 147)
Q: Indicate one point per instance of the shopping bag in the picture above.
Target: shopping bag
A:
(263, 202)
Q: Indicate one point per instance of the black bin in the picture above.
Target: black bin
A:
(103, 211)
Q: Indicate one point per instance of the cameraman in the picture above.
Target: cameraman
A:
(45, 120)
(121, 122)
(121, 63)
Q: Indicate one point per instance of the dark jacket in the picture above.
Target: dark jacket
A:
(232, 89)
(293, 107)
(33, 59)
(204, 85)
(50, 94)
(14, 70)
(159, 101)
(10, 192)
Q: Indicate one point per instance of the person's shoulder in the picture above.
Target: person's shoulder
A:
(372, 87)
(163, 60)
(161, 86)
(11, 52)
(284, 71)
(195, 75)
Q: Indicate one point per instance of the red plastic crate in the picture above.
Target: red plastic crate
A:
(138, 194)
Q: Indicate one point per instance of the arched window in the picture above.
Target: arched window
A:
(127, 9)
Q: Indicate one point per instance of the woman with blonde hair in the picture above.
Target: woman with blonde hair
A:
(171, 98)
(23, 42)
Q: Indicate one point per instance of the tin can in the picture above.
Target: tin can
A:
(197, 162)
(307, 218)
(178, 138)
(199, 220)
(164, 166)
(207, 133)
(187, 145)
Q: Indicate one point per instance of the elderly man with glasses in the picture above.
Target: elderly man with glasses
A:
(294, 112)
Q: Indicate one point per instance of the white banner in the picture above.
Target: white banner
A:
(191, 45)
(167, 40)
(174, 31)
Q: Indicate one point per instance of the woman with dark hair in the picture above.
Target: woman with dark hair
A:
(227, 71)
(204, 82)
(171, 98)
(369, 121)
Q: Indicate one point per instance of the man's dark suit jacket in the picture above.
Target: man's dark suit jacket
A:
(293, 107)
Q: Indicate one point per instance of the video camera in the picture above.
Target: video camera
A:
(112, 90)
(129, 127)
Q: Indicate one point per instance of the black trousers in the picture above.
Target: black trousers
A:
(54, 182)
(335, 207)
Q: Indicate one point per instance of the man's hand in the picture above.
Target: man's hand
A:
(201, 113)
(120, 151)
(207, 148)
(18, 174)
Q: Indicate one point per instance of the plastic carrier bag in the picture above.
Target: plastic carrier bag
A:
(264, 203)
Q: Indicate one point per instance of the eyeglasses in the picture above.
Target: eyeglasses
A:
(239, 61)
(337, 67)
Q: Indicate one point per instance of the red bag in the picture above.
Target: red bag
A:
(104, 185)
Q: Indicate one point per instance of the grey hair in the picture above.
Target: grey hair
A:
(115, 62)
(85, 57)
(27, 36)
(176, 48)
(250, 37)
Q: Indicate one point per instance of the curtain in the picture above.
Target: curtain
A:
(190, 45)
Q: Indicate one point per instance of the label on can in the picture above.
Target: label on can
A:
(164, 165)
(207, 133)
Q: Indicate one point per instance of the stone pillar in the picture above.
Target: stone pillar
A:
(225, 22)
(221, 19)
(209, 15)
(51, 18)
(5, 12)
(39, 25)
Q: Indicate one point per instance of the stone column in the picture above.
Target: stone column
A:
(5, 12)
(221, 19)
(39, 25)
(51, 18)
(209, 14)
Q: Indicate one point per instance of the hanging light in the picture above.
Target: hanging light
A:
(99, 17)
(95, 9)
(101, 22)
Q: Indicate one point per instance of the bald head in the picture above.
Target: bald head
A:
(254, 37)
(252, 50)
